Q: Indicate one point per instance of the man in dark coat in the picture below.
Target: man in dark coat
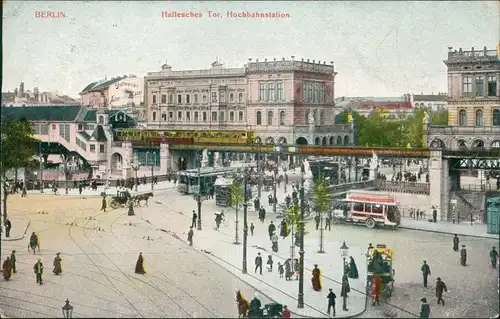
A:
(456, 241)
(440, 287)
(38, 269)
(426, 271)
(254, 309)
(344, 292)
(425, 309)
(8, 227)
(131, 208)
(271, 230)
(434, 215)
(195, 217)
(258, 263)
(493, 257)
(463, 256)
(13, 261)
(317, 219)
(331, 302)
(104, 204)
(190, 236)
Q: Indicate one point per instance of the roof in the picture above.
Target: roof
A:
(8, 97)
(42, 113)
(90, 116)
(88, 87)
(84, 135)
(429, 98)
(99, 134)
(106, 83)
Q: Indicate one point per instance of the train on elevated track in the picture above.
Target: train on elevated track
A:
(185, 136)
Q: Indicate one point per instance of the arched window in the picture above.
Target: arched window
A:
(269, 117)
(101, 119)
(332, 140)
(154, 116)
(339, 140)
(323, 142)
(282, 118)
(346, 140)
(462, 118)
(164, 116)
(479, 118)
(496, 117)
(317, 141)
(259, 118)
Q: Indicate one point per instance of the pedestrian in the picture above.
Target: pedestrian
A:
(345, 291)
(328, 222)
(80, 189)
(270, 263)
(352, 269)
(252, 227)
(463, 256)
(13, 261)
(331, 302)
(57, 264)
(493, 257)
(7, 268)
(316, 278)
(425, 308)
(194, 218)
(131, 208)
(281, 271)
(24, 193)
(368, 251)
(285, 313)
(38, 269)
(288, 269)
(271, 230)
(258, 263)
(190, 236)
(104, 203)
(434, 215)
(317, 219)
(426, 271)
(440, 287)
(274, 241)
(8, 227)
(34, 242)
(456, 241)
(139, 265)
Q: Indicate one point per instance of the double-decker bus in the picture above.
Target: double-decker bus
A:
(369, 208)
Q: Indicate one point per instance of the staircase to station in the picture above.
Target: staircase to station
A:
(469, 202)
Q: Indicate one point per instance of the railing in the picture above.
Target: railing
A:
(472, 54)
(452, 130)
(404, 187)
(478, 188)
(342, 188)
(206, 72)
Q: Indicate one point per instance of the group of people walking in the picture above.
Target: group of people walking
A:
(9, 267)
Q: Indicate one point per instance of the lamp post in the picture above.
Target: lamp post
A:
(245, 224)
(40, 156)
(198, 198)
(301, 252)
(67, 310)
(259, 179)
(344, 252)
(66, 174)
(153, 161)
(135, 167)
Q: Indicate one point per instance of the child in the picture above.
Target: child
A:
(296, 268)
(280, 270)
(270, 263)
(252, 227)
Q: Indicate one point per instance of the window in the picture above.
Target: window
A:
(80, 127)
(262, 91)
(164, 116)
(196, 99)
(92, 148)
(196, 116)
(467, 86)
(101, 148)
(322, 117)
(44, 129)
(259, 118)
(321, 93)
(269, 117)
(154, 99)
(316, 93)
(171, 98)
(479, 118)
(462, 118)
(282, 118)
(179, 116)
(240, 98)
(222, 97)
(179, 99)
(163, 99)
(188, 99)
(231, 116)
(171, 115)
(270, 91)
(101, 119)
(64, 131)
(479, 85)
(231, 97)
(279, 91)
(204, 98)
(221, 118)
(214, 96)
(154, 116)
(188, 116)
(240, 116)
(204, 116)
(496, 117)
(310, 94)
(214, 116)
(492, 85)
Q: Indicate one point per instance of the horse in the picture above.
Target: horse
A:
(143, 197)
(243, 305)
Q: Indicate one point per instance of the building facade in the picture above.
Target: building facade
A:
(473, 102)
(22, 97)
(283, 102)
(432, 101)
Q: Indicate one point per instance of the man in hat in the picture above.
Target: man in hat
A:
(440, 287)
(331, 302)
(8, 227)
(38, 269)
(455, 242)
(193, 219)
(13, 261)
(425, 309)
(258, 263)
(426, 271)
(463, 256)
(104, 204)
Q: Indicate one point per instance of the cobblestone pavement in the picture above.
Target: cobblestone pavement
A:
(99, 278)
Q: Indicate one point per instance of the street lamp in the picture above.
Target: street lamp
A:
(153, 161)
(135, 166)
(199, 157)
(66, 173)
(41, 166)
(67, 310)
(301, 252)
(245, 222)
(259, 179)
(344, 252)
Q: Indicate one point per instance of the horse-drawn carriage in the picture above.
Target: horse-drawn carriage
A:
(380, 272)
(122, 197)
(245, 310)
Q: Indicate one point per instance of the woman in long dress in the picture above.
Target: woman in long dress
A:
(243, 305)
(139, 265)
(353, 269)
(316, 278)
(57, 264)
(7, 268)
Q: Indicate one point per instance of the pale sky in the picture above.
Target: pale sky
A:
(379, 48)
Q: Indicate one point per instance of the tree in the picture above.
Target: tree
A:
(237, 199)
(322, 204)
(439, 117)
(293, 215)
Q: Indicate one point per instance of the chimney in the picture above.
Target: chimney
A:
(307, 60)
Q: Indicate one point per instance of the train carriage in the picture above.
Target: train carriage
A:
(185, 136)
